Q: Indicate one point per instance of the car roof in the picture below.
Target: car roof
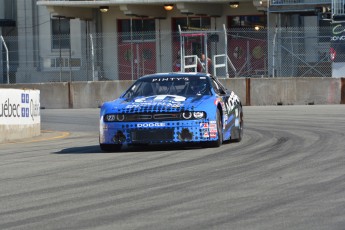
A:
(175, 74)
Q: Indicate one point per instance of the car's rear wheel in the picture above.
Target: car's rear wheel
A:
(219, 141)
(110, 147)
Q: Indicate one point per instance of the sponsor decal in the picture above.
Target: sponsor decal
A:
(213, 126)
(232, 101)
(213, 134)
(161, 98)
(25, 105)
(34, 109)
(204, 125)
(206, 135)
(19, 107)
(150, 125)
(337, 50)
(9, 109)
(170, 79)
(28, 108)
(172, 101)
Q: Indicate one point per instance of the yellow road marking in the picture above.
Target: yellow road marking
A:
(60, 135)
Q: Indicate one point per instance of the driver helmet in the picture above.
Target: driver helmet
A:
(198, 87)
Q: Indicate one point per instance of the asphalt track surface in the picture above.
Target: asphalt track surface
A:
(287, 173)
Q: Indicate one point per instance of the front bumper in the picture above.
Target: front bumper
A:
(163, 132)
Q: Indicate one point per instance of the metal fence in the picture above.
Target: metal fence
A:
(301, 52)
(277, 52)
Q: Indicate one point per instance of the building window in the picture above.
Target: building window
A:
(192, 23)
(60, 33)
(247, 21)
(137, 29)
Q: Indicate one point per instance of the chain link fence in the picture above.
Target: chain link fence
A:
(277, 52)
(301, 52)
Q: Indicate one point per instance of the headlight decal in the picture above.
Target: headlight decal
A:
(198, 115)
(110, 117)
(120, 117)
(187, 115)
(193, 115)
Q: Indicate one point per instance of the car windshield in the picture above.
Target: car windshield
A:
(182, 86)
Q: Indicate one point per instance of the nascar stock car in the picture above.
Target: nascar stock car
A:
(168, 108)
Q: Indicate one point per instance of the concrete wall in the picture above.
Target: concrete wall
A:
(14, 132)
(295, 91)
(93, 94)
(252, 91)
(53, 95)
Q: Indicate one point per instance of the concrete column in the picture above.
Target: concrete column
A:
(26, 38)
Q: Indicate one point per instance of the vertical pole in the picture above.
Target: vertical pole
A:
(160, 45)
(132, 53)
(274, 52)
(87, 48)
(92, 58)
(7, 60)
(206, 52)
(248, 96)
(342, 90)
(69, 61)
(60, 55)
(226, 51)
(70, 56)
(142, 57)
(181, 49)
(138, 59)
(268, 37)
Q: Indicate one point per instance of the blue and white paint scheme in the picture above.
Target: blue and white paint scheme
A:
(172, 108)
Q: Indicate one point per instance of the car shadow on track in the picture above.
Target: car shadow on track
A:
(140, 148)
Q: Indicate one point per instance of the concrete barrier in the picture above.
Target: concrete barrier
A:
(295, 91)
(93, 94)
(252, 91)
(53, 95)
(19, 114)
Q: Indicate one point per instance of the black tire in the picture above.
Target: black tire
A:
(110, 147)
(219, 141)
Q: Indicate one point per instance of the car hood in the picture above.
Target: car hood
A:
(157, 103)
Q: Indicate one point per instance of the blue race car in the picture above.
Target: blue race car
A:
(168, 108)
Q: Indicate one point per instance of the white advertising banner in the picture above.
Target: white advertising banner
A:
(19, 107)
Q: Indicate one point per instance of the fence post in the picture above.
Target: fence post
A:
(181, 50)
(7, 60)
(92, 58)
(226, 51)
(274, 53)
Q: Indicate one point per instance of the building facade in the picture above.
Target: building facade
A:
(122, 40)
